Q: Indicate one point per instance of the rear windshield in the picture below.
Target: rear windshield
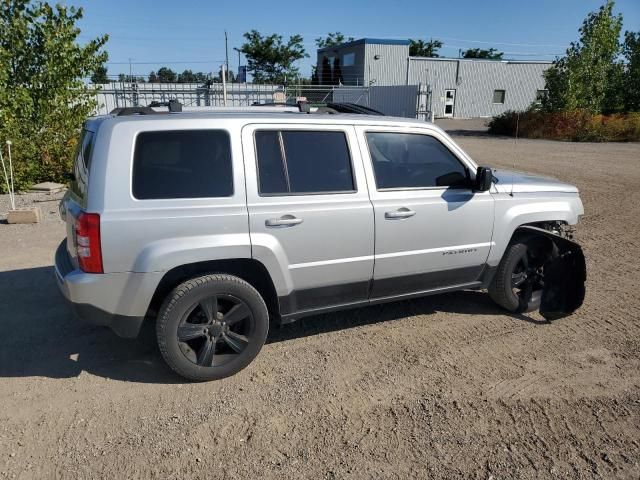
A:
(182, 164)
(81, 164)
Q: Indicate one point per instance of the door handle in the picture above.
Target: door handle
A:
(284, 221)
(400, 214)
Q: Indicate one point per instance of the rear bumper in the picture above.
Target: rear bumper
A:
(116, 300)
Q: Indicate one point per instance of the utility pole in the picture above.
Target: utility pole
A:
(226, 50)
(238, 59)
(130, 69)
(224, 84)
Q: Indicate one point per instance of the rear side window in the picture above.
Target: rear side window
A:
(182, 164)
(409, 160)
(303, 162)
(81, 164)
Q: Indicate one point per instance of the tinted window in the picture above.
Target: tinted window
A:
(406, 160)
(182, 164)
(81, 164)
(294, 162)
(270, 167)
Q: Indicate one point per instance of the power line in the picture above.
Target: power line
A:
(165, 62)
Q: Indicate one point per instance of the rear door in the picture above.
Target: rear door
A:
(310, 217)
(432, 231)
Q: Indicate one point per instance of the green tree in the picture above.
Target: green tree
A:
(231, 77)
(130, 78)
(186, 77)
(201, 77)
(420, 48)
(332, 39)
(100, 75)
(589, 75)
(166, 75)
(43, 98)
(491, 54)
(337, 73)
(269, 59)
(326, 72)
(631, 51)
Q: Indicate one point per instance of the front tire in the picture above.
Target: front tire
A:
(517, 284)
(211, 327)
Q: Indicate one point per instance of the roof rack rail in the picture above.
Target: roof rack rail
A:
(346, 107)
(173, 105)
(123, 111)
(330, 107)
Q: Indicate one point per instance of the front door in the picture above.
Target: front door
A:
(432, 231)
(310, 217)
(449, 102)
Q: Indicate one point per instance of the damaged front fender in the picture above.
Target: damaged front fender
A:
(565, 275)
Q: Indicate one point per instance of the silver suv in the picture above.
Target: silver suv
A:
(213, 223)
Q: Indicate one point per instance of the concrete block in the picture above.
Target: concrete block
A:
(27, 215)
(48, 187)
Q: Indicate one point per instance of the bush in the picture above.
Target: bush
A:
(43, 99)
(573, 125)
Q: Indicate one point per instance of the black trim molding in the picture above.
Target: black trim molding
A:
(393, 286)
(300, 303)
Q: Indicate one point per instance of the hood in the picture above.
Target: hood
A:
(507, 181)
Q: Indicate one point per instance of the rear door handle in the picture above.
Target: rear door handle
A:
(400, 214)
(284, 221)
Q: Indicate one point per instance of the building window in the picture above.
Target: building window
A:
(348, 59)
(541, 95)
(498, 96)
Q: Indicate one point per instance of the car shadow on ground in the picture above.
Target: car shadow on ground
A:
(39, 336)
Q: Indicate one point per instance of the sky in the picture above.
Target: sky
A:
(189, 34)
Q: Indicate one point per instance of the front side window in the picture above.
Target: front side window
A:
(303, 162)
(409, 160)
(182, 164)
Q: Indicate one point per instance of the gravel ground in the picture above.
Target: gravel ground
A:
(47, 203)
(442, 387)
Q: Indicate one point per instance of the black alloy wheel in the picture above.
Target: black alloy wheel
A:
(211, 327)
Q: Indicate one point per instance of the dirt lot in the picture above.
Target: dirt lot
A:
(442, 387)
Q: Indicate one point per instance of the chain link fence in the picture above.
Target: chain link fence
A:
(411, 101)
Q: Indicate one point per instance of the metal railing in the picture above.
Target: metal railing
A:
(405, 100)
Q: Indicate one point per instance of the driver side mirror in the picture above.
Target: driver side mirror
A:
(484, 177)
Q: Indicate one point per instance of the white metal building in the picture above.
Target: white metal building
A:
(449, 87)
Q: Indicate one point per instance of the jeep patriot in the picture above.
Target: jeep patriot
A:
(213, 223)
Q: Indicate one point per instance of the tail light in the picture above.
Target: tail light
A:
(88, 242)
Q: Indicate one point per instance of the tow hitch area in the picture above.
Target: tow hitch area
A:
(565, 274)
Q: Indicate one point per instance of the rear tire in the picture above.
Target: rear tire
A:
(211, 327)
(516, 285)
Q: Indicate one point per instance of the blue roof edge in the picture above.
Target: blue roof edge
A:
(366, 41)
